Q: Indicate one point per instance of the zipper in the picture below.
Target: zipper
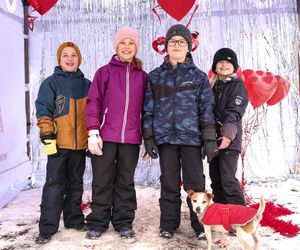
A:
(75, 106)
(173, 108)
(104, 116)
(126, 105)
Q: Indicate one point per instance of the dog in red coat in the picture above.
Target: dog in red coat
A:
(227, 217)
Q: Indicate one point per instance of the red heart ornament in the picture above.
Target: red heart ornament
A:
(159, 42)
(176, 8)
(42, 6)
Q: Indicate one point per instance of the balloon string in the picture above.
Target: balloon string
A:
(251, 127)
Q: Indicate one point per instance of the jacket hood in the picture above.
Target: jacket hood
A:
(117, 62)
(59, 71)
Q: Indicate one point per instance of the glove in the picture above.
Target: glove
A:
(95, 143)
(50, 147)
(225, 141)
(151, 148)
(210, 149)
(49, 142)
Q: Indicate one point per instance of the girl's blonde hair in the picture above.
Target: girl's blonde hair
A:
(213, 80)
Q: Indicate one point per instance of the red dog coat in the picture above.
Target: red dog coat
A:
(228, 215)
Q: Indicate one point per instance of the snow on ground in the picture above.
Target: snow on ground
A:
(19, 223)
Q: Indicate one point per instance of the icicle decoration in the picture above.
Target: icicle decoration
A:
(262, 32)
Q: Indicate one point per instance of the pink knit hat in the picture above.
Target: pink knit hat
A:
(127, 32)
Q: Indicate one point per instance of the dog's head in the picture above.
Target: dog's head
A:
(200, 201)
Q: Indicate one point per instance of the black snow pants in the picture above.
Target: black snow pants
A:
(113, 191)
(62, 191)
(226, 187)
(175, 159)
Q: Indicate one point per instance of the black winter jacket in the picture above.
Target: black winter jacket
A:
(231, 100)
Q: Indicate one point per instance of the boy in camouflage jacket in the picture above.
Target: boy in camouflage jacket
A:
(178, 120)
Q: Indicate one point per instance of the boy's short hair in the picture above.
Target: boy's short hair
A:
(68, 44)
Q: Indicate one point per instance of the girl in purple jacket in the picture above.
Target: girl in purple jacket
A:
(114, 108)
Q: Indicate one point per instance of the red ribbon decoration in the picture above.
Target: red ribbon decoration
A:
(195, 34)
(30, 21)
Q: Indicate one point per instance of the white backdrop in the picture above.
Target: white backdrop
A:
(15, 167)
(262, 33)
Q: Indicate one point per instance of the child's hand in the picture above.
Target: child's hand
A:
(225, 141)
(145, 155)
(95, 143)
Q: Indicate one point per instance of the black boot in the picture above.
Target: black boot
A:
(43, 238)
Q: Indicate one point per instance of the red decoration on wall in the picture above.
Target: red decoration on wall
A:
(176, 8)
(159, 45)
(42, 6)
(195, 41)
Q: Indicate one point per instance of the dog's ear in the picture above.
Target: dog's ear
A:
(210, 196)
(190, 192)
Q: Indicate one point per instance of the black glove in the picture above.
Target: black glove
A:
(210, 149)
(151, 148)
(51, 136)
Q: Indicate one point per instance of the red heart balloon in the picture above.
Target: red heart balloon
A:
(260, 73)
(239, 74)
(176, 8)
(281, 92)
(247, 73)
(42, 6)
(210, 74)
(260, 87)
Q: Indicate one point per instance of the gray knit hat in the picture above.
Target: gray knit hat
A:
(179, 30)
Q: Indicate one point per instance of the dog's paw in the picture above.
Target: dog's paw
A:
(222, 245)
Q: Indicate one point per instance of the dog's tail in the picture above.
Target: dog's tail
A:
(261, 208)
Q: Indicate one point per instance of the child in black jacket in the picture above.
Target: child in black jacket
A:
(231, 99)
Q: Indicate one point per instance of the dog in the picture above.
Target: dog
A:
(227, 217)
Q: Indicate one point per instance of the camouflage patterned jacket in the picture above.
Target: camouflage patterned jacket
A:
(178, 103)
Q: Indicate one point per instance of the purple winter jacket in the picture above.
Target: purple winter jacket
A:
(115, 101)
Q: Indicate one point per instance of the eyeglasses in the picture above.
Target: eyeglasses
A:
(181, 43)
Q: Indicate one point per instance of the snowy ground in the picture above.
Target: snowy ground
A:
(18, 223)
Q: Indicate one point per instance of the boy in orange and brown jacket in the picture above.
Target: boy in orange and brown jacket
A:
(61, 115)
